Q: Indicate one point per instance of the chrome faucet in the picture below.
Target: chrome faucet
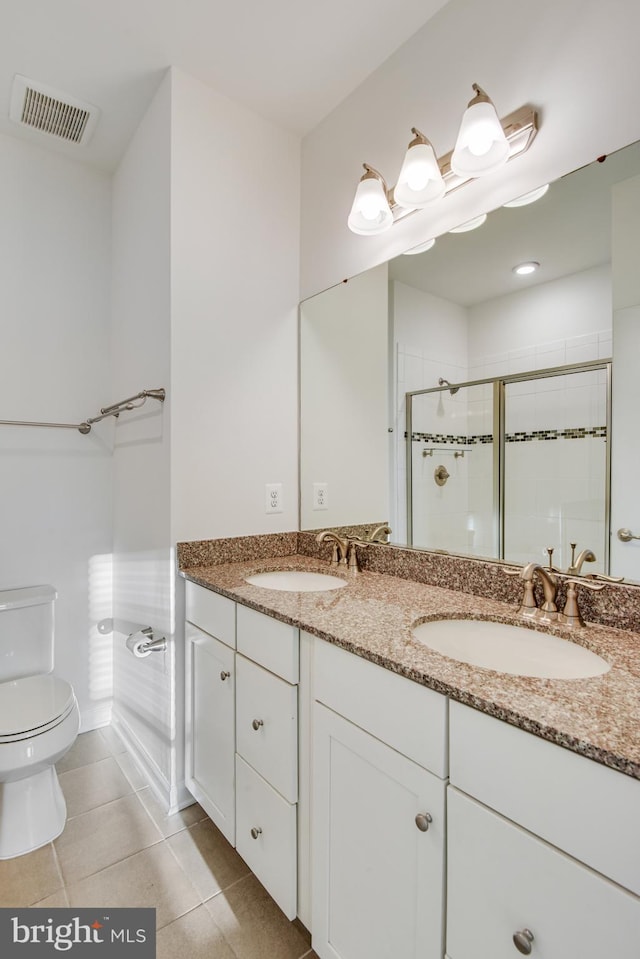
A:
(586, 556)
(548, 612)
(380, 531)
(340, 546)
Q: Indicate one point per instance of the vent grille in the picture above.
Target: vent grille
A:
(53, 116)
(49, 111)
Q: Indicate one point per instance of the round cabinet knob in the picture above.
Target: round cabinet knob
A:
(255, 832)
(257, 723)
(522, 941)
(422, 821)
(224, 675)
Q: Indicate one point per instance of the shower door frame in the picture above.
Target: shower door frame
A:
(499, 384)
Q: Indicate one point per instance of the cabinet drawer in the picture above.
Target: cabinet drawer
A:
(214, 613)
(502, 880)
(270, 850)
(269, 642)
(272, 705)
(401, 713)
(585, 808)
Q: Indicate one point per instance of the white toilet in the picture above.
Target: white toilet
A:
(39, 722)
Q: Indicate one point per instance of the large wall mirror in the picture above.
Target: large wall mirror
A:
(480, 411)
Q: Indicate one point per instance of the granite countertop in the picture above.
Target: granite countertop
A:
(372, 617)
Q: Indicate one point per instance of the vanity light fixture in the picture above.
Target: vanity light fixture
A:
(370, 213)
(420, 248)
(482, 146)
(470, 224)
(420, 180)
(523, 269)
(484, 143)
(529, 197)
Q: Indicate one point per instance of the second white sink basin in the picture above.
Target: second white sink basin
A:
(296, 580)
(510, 649)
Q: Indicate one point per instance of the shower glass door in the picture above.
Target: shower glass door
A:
(509, 467)
(451, 487)
(556, 467)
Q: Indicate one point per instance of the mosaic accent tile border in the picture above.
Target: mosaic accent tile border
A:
(571, 433)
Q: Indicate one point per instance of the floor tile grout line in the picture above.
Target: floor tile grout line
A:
(222, 892)
(56, 859)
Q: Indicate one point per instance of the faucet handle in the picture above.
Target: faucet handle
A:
(571, 615)
(587, 582)
(604, 578)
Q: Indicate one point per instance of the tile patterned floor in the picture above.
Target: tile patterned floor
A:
(119, 848)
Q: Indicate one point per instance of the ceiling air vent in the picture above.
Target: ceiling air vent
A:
(37, 106)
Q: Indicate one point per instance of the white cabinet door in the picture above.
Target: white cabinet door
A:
(377, 878)
(504, 882)
(210, 752)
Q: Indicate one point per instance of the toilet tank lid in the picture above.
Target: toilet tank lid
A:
(26, 596)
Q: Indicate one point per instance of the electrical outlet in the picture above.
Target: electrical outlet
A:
(320, 496)
(273, 497)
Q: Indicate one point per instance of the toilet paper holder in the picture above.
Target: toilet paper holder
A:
(142, 642)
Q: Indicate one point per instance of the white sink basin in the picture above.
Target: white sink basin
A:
(296, 581)
(510, 649)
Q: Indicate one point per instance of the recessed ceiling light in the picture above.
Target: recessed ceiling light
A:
(523, 269)
(420, 248)
(470, 224)
(529, 197)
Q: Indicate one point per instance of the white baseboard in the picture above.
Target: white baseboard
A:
(173, 797)
(146, 764)
(95, 716)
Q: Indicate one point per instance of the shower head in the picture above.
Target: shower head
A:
(452, 389)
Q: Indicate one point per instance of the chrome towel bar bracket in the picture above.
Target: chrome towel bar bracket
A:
(131, 403)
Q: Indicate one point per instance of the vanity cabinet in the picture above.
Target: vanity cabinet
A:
(542, 843)
(507, 886)
(242, 733)
(210, 635)
(378, 830)
(343, 784)
(267, 753)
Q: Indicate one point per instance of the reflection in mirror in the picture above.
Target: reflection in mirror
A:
(528, 466)
(459, 312)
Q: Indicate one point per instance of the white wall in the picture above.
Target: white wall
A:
(55, 485)
(144, 689)
(550, 324)
(205, 305)
(344, 345)
(575, 60)
(234, 296)
(429, 342)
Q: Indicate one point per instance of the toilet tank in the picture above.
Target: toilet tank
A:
(26, 631)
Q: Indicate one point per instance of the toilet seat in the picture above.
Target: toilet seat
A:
(33, 705)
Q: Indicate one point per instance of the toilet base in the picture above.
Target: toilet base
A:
(32, 813)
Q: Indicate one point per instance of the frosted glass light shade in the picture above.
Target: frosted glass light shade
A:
(529, 197)
(370, 213)
(470, 224)
(420, 181)
(482, 146)
(421, 247)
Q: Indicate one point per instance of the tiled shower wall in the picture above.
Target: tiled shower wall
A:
(554, 480)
